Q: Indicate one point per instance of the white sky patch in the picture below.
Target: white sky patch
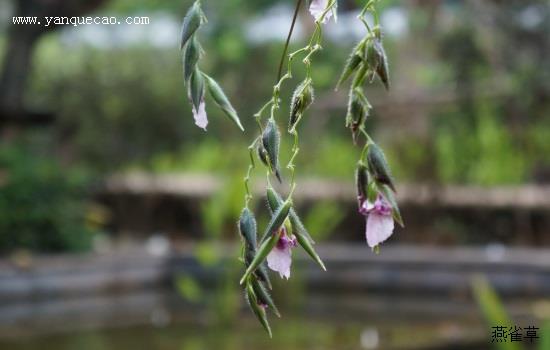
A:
(163, 32)
(273, 25)
(531, 17)
(347, 29)
(395, 21)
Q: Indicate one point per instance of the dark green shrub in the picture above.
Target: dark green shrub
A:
(42, 205)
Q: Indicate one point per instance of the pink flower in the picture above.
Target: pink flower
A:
(280, 258)
(201, 119)
(379, 220)
(318, 7)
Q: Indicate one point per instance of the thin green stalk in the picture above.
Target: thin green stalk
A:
(285, 50)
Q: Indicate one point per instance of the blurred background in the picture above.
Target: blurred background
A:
(117, 214)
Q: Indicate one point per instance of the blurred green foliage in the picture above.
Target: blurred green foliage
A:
(495, 314)
(41, 203)
(124, 107)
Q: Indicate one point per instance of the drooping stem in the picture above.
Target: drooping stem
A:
(285, 50)
(273, 104)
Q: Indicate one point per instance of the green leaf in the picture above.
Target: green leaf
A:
(222, 101)
(308, 247)
(492, 308)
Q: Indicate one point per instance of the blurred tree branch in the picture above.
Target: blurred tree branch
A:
(19, 49)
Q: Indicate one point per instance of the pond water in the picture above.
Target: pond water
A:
(288, 334)
(318, 322)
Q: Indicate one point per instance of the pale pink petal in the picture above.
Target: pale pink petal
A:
(200, 116)
(317, 7)
(279, 260)
(379, 228)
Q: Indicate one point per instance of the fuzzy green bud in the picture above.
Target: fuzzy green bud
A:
(361, 181)
(378, 61)
(271, 139)
(390, 198)
(196, 88)
(247, 227)
(378, 166)
(257, 308)
(191, 57)
(301, 100)
(191, 22)
(274, 200)
(270, 238)
(351, 66)
(263, 296)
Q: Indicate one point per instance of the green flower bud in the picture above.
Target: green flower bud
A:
(191, 56)
(263, 296)
(390, 198)
(361, 181)
(258, 309)
(302, 236)
(274, 200)
(301, 100)
(351, 66)
(261, 272)
(262, 155)
(191, 22)
(265, 248)
(271, 139)
(378, 166)
(378, 61)
(222, 101)
(270, 238)
(196, 88)
(358, 110)
(277, 220)
(247, 228)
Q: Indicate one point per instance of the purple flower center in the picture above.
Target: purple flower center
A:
(285, 242)
(379, 207)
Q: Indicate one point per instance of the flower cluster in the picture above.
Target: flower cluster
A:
(197, 81)
(375, 188)
(285, 231)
